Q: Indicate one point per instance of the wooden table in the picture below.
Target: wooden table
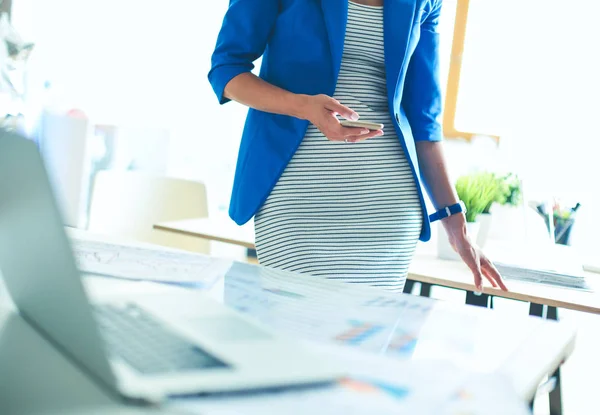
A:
(220, 230)
(426, 269)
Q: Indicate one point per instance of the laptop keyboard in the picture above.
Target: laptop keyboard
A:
(146, 344)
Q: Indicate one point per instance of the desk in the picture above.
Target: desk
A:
(220, 230)
(522, 350)
(271, 296)
(429, 270)
(426, 268)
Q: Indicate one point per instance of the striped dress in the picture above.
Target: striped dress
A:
(347, 211)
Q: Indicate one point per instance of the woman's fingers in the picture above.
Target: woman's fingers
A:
(471, 258)
(362, 137)
(478, 279)
(489, 278)
(333, 130)
(490, 270)
(350, 132)
(480, 265)
(334, 106)
(473, 265)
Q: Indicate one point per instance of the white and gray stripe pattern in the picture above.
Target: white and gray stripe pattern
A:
(348, 211)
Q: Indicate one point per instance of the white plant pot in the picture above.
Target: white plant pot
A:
(508, 224)
(485, 224)
(445, 250)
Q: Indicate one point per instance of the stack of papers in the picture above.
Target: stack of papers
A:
(369, 319)
(545, 264)
(543, 276)
(148, 264)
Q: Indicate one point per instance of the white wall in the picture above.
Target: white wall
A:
(139, 63)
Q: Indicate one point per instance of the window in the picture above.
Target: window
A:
(528, 74)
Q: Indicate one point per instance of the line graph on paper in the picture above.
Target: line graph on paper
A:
(124, 261)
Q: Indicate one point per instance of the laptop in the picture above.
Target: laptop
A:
(137, 351)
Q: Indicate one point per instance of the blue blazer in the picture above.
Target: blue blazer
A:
(301, 43)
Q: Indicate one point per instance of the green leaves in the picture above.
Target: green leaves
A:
(514, 191)
(478, 191)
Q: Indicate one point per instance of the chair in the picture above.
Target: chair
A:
(129, 203)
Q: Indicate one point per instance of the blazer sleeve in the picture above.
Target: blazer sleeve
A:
(422, 97)
(243, 37)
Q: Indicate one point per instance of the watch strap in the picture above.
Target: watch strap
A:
(448, 211)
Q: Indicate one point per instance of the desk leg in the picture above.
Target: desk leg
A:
(409, 285)
(480, 300)
(425, 289)
(552, 313)
(555, 395)
(536, 310)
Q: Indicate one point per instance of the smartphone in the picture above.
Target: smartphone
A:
(362, 124)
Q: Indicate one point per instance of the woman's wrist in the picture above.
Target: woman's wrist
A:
(455, 225)
(300, 106)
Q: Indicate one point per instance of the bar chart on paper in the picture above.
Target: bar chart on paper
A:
(403, 343)
(374, 387)
(357, 332)
(316, 310)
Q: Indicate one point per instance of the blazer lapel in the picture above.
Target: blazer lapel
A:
(398, 22)
(398, 19)
(335, 13)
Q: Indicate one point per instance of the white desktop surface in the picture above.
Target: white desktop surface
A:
(314, 309)
(318, 309)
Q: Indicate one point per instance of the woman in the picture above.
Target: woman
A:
(332, 200)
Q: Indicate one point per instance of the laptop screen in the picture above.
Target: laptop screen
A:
(36, 260)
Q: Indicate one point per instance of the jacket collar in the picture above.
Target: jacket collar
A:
(398, 22)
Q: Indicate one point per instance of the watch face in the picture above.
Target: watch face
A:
(463, 206)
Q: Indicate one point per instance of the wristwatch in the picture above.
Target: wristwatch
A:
(448, 211)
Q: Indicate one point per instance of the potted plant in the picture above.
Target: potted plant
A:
(477, 191)
(502, 194)
(508, 211)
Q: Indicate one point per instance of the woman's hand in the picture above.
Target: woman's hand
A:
(321, 110)
(471, 254)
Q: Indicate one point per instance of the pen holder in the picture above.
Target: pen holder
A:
(562, 230)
